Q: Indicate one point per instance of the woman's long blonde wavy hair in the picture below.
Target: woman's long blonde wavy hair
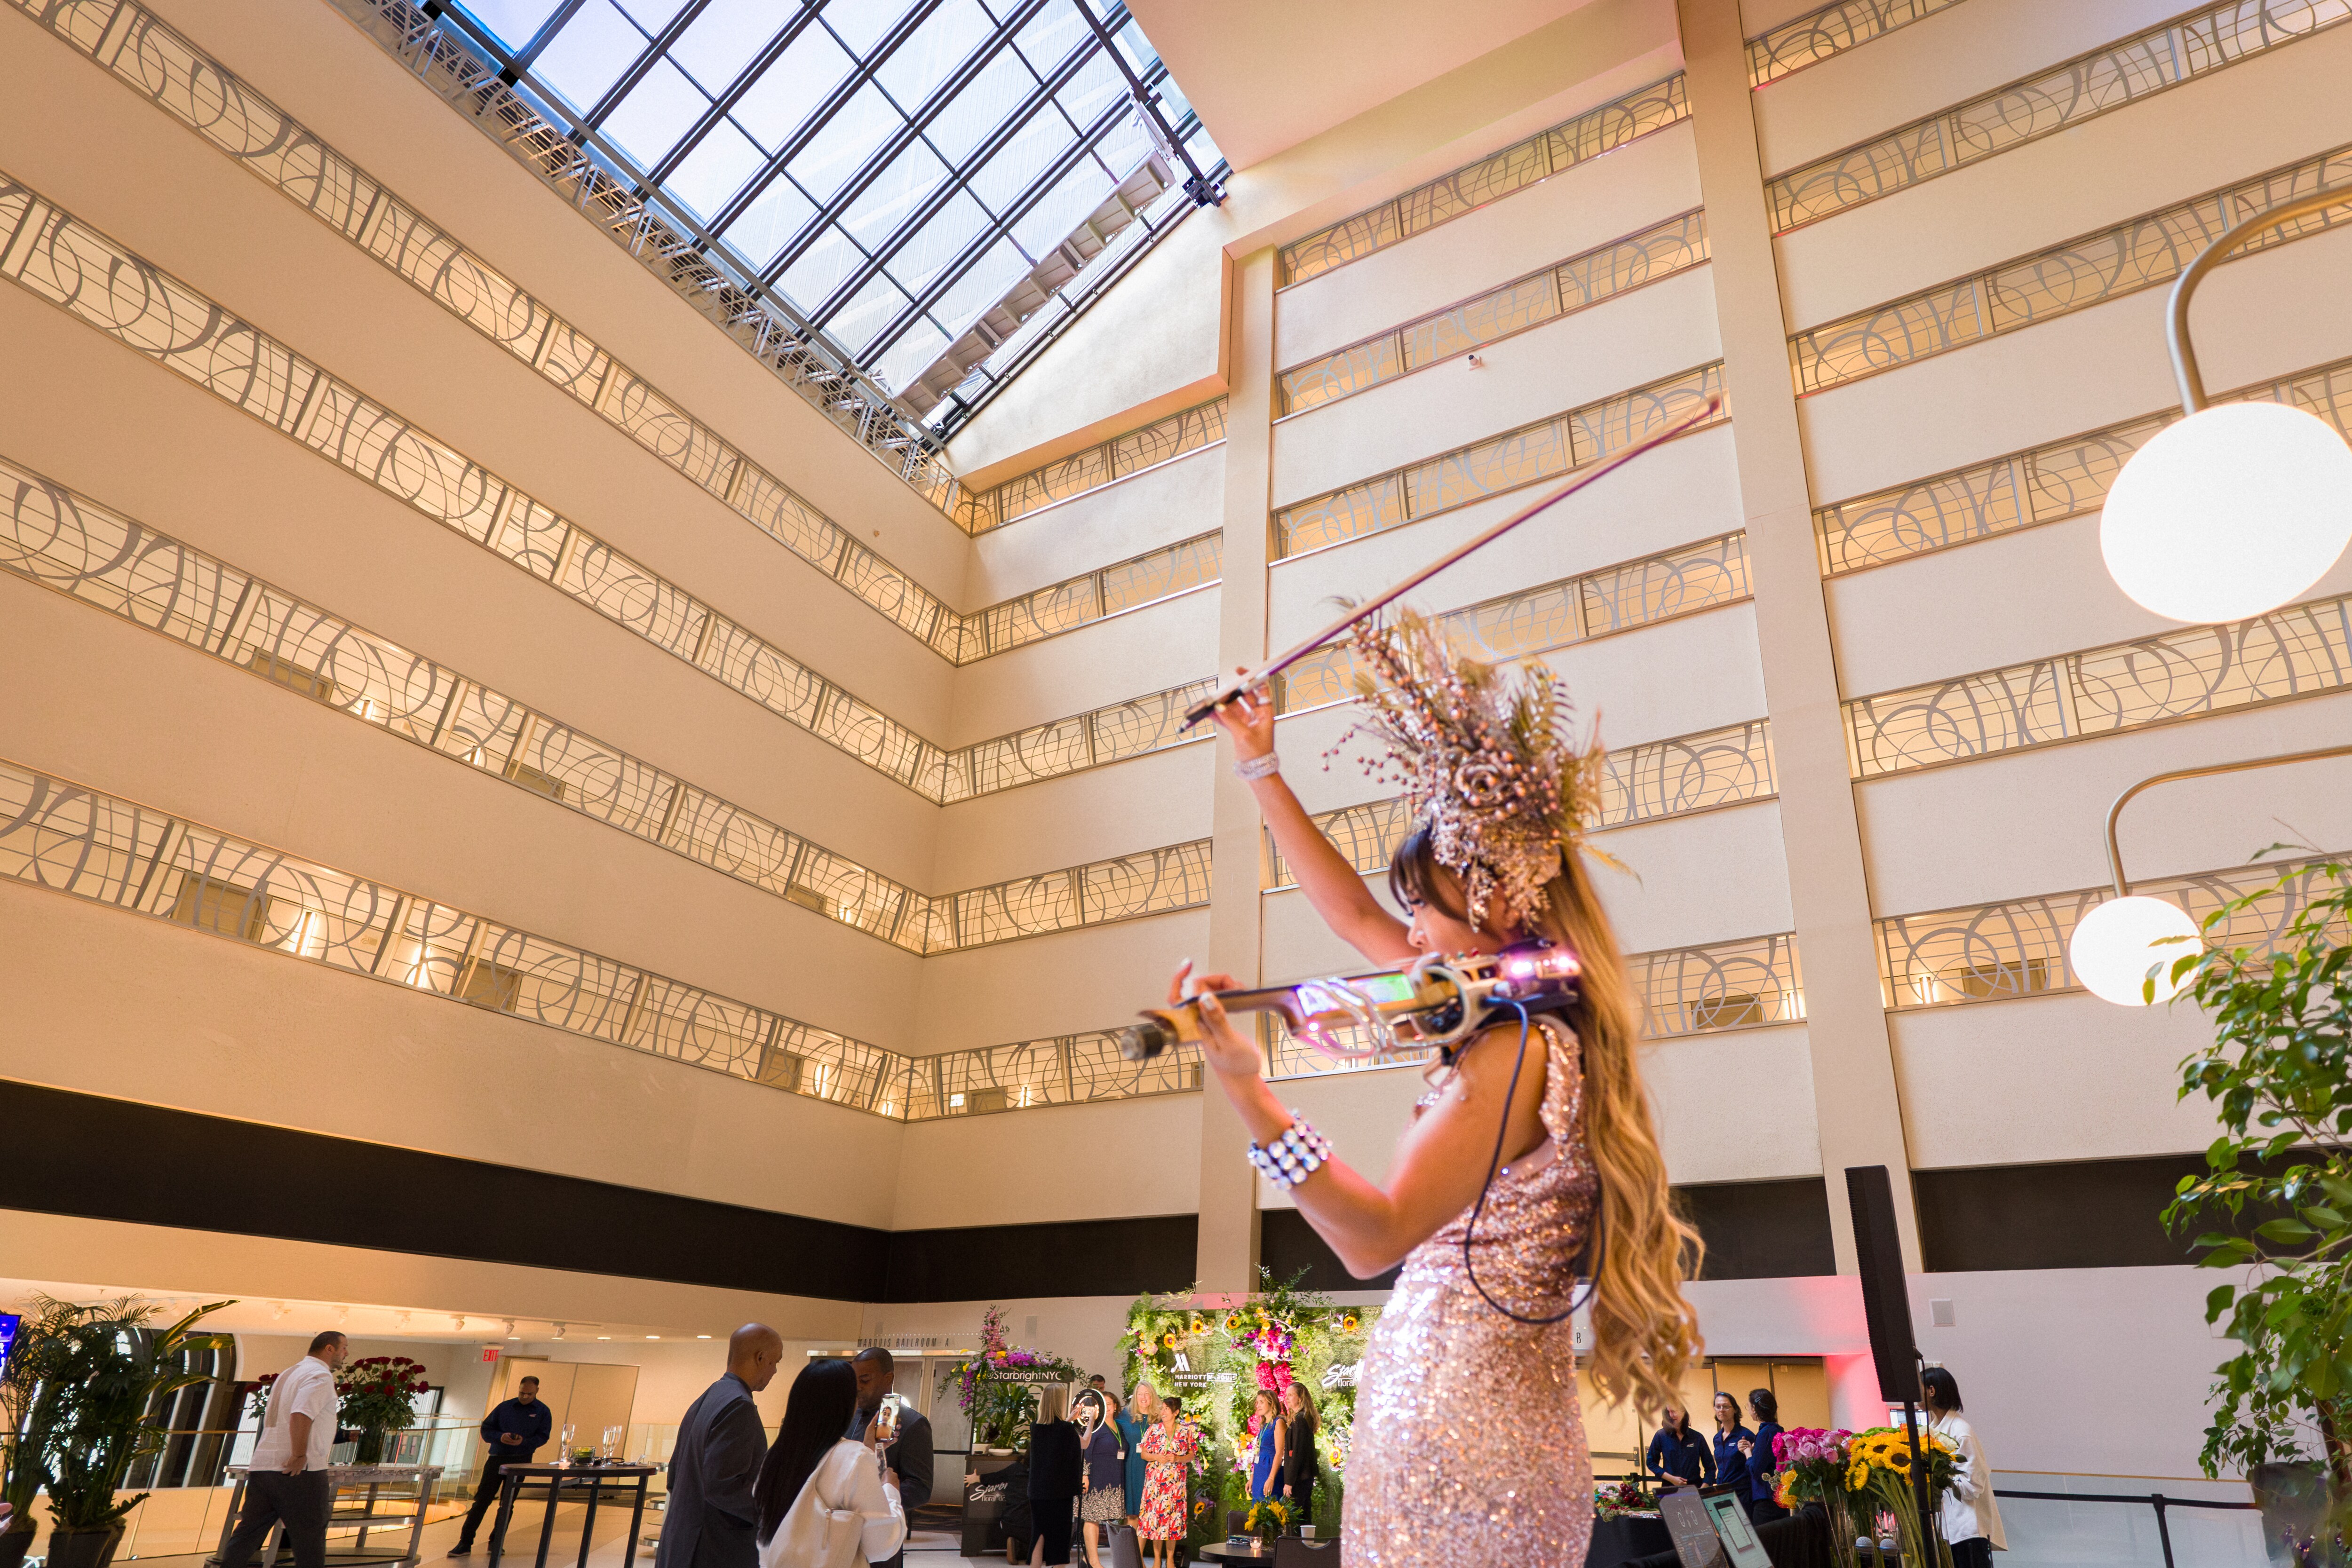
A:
(1644, 1334)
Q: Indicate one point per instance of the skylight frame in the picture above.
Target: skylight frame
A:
(876, 275)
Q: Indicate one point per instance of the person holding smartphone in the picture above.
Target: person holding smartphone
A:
(909, 1452)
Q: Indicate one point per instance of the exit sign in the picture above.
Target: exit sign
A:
(489, 1354)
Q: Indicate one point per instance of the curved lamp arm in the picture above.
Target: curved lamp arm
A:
(2176, 323)
(2116, 812)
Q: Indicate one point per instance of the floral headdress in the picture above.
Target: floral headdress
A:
(1486, 759)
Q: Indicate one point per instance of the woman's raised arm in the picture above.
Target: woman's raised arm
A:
(1329, 882)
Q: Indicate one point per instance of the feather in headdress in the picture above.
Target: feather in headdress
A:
(1486, 757)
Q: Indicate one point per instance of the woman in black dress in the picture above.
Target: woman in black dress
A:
(1054, 1478)
(1299, 1455)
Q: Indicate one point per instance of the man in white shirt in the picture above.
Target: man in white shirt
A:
(287, 1480)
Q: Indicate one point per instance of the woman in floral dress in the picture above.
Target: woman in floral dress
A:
(1168, 1450)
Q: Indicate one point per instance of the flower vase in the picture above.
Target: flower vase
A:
(371, 1447)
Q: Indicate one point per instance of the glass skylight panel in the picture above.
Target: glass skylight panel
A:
(891, 168)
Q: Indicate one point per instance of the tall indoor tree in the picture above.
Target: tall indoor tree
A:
(2276, 1192)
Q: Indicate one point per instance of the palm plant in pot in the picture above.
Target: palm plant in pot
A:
(101, 1379)
(2277, 1191)
(23, 1472)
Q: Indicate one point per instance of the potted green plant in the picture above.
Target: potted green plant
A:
(2279, 1071)
(23, 1472)
(378, 1398)
(100, 1380)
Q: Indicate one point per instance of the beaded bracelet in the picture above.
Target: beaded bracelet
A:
(1298, 1154)
(1258, 767)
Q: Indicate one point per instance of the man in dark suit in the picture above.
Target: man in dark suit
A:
(910, 1455)
(712, 1521)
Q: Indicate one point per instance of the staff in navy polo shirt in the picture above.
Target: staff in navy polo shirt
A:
(516, 1430)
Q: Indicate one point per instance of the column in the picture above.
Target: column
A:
(1855, 1096)
(1229, 1224)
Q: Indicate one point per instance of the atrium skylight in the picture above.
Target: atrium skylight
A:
(934, 186)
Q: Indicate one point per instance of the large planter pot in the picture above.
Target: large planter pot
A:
(84, 1548)
(2294, 1501)
(15, 1543)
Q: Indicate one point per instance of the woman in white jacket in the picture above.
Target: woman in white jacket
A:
(1971, 1520)
(827, 1501)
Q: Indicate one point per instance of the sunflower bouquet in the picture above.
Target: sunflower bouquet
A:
(1878, 1480)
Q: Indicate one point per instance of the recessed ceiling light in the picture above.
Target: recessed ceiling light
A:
(653, 1336)
(702, 1336)
(602, 1337)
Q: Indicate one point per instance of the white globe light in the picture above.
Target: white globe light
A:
(2230, 513)
(2116, 944)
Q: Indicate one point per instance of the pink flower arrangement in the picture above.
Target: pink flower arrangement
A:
(1804, 1444)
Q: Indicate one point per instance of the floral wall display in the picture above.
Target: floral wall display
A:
(1219, 1351)
(997, 1386)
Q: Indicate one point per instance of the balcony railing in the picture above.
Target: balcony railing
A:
(2305, 649)
(160, 63)
(1834, 29)
(2048, 484)
(1543, 450)
(65, 542)
(1588, 136)
(2047, 102)
(99, 282)
(1728, 766)
(1993, 952)
(100, 848)
(2143, 253)
(1656, 252)
(1121, 457)
(1533, 621)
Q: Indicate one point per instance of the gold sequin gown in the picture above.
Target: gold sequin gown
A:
(1469, 1447)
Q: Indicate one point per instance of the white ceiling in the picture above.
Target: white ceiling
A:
(1266, 75)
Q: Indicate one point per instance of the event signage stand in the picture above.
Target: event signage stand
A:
(413, 1480)
(560, 1480)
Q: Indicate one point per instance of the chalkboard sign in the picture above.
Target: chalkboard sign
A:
(1695, 1542)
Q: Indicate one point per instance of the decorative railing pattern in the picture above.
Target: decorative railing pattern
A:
(1065, 606)
(1065, 1070)
(1726, 766)
(2142, 253)
(1543, 450)
(1588, 136)
(1657, 252)
(2303, 650)
(2048, 484)
(2122, 73)
(1537, 620)
(183, 80)
(1992, 952)
(68, 543)
(193, 88)
(54, 256)
(1831, 30)
(1187, 431)
(1153, 723)
(58, 835)
(1748, 984)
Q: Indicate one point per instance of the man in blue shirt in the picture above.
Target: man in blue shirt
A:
(516, 1430)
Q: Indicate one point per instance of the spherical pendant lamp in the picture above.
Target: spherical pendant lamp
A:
(2237, 510)
(2116, 944)
(2230, 513)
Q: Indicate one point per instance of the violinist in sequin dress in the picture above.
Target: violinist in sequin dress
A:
(1469, 1446)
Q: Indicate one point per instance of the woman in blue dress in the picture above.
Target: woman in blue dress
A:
(1266, 1462)
(1131, 1421)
